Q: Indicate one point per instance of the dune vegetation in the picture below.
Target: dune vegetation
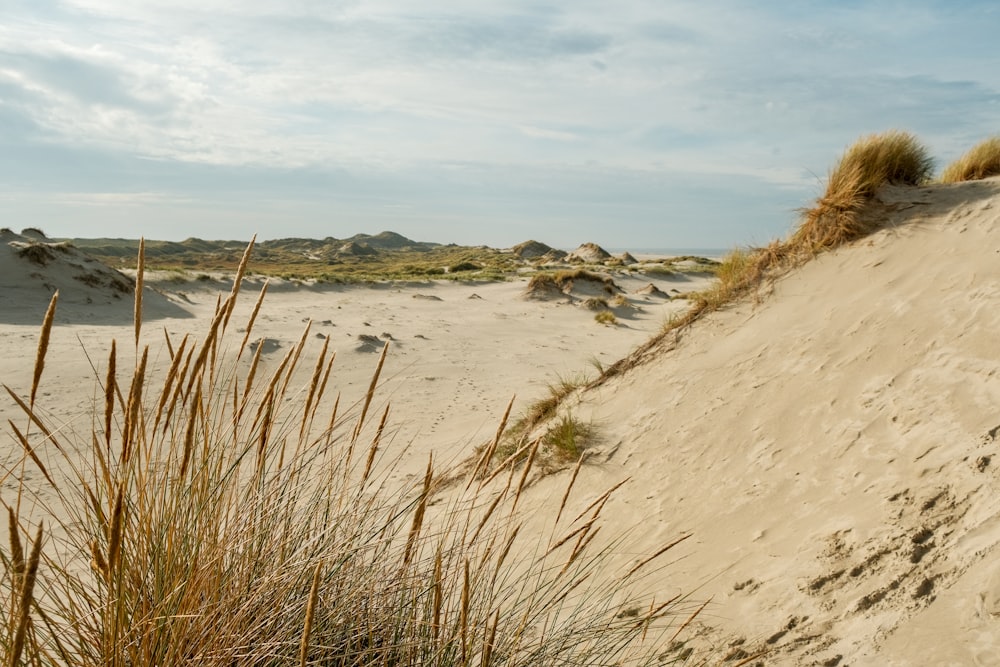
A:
(981, 161)
(218, 514)
(841, 215)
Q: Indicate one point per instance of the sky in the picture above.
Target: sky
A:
(633, 124)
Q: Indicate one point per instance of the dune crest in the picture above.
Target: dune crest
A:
(32, 267)
(834, 448)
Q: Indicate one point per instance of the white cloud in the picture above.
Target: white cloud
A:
(388, 88)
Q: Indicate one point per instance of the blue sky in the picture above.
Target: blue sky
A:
(637, 124)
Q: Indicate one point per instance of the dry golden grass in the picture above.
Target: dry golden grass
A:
(209, 519)
(892, 157)
(982, 161)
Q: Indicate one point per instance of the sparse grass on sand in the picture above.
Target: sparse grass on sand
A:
(209, 519)
(982, 161)
(838, 217)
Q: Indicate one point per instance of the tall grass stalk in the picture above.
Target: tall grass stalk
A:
(204, 521)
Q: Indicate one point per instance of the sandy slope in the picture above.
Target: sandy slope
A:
(833, 449)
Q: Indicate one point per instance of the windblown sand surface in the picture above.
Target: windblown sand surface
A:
(831, 447)
(833, 450)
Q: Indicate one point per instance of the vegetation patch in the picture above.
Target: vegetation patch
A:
(892, 157)
(606, 317)
(37, 253)
(567, 438)
(595, 303)
(982, 161)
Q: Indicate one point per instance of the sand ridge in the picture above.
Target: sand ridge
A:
(832, 449)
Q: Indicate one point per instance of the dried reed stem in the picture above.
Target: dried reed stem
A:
(659, 553)
(418, 516)
(43, 347)
(139, 272)
(109, 396)
(21, 438)
(371, 393)
(690, 619)
(34, 418)
(487, 456)
(310, 614)
(115, 531)
(27, 588)
(569, 487)
(231, 301)
(253, 319)
(313, 387)
(374, 446)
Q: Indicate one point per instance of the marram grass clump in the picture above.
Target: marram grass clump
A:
(892, 157)
(982, 161)
(223, 511)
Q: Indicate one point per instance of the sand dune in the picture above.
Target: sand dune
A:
(833, 449)
(32, 267)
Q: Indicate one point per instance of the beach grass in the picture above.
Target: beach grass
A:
(224, 510)
(981, 161)
(839, 216)
(892, 157)
(606, 317)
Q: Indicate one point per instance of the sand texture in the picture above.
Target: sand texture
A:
(832, 449)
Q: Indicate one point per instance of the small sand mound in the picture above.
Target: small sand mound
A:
(553, 256)
(545, 287)
(531, 250)
(369, 343)
(32, 268)
(427, 297)
(627, 258)
(652, 290)
(595, 303)
(589, 253)
(270, 345)
(570, 284)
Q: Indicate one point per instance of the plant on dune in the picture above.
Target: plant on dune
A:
(567, 438)
(982, 161)
(892, 157)
(606, 317)
(208, 518)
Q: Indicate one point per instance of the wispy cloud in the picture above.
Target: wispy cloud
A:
(440, 115)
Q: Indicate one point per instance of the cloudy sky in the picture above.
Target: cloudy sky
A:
(634, 123)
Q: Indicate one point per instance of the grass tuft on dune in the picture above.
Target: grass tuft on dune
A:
(981, 161)
(892, 157)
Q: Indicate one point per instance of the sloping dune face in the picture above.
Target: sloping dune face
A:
(833, 448)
